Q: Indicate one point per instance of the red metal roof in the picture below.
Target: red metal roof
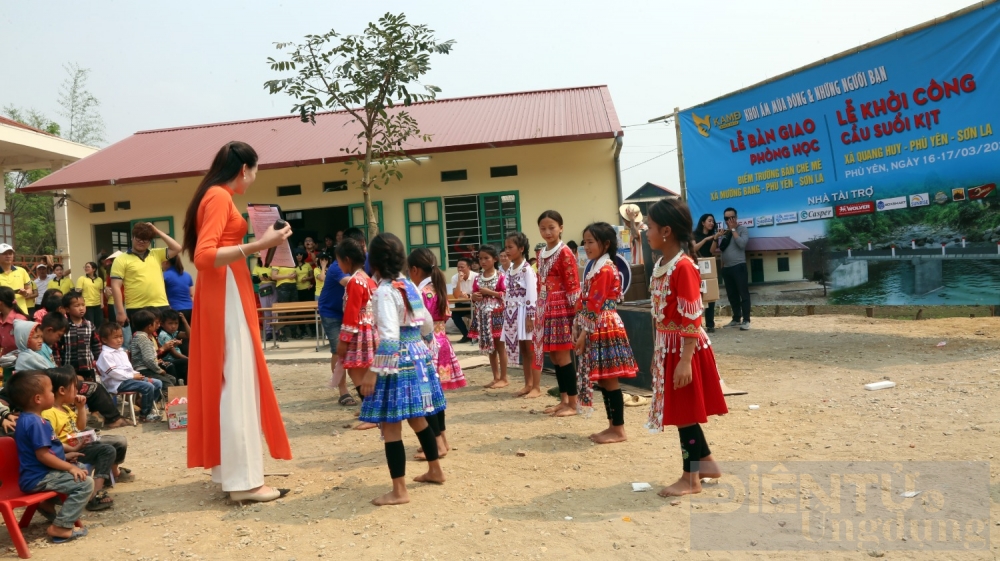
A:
(467, 123)
(774, 244)
(13, 123)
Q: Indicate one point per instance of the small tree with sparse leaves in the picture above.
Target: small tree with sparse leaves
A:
(367, 76)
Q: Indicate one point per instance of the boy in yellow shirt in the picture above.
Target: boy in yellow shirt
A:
(68, 416)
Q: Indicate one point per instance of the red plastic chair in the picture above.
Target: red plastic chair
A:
(11, 497)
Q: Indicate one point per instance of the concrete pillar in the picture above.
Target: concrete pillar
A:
(927, 275)
(62, 232)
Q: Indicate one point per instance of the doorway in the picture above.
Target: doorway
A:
(109, 238)
(756, 270)
(317, 223)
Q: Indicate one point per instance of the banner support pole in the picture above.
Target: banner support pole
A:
(680, 154)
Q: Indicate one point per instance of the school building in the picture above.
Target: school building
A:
(24, 148)
(492, 165)
(777, 259)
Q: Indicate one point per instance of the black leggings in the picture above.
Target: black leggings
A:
(102, 402)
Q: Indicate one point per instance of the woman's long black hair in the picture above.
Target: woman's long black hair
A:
(225, 167)
(700, 228)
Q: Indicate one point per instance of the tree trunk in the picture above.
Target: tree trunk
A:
(366, 183)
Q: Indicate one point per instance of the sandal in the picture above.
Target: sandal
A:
(347, 400)
(101, 501)
(76, 534)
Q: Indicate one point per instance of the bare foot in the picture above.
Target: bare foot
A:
(432, 476)
(121, 422)
(707, 467)
(522, 391)
(365, 426)
(565, 412)
(442, 452)
(391, 498)
(490, 385)
(533, 394)
(553, 409)
(610, 436)
(500, 384)
(688, 484)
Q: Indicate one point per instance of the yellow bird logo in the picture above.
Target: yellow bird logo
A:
(703, 124)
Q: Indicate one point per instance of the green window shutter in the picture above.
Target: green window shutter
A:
(356, 216)
(499, 215)
(425, 227)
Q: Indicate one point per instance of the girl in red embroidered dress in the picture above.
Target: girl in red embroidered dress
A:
(686, 387)
(602, 344)
(558, 291)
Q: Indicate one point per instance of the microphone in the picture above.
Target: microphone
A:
(279, 224)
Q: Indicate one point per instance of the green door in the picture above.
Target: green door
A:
(356, 215)
(499, 215)
(756, 270)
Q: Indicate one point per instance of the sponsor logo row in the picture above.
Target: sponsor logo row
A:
(869, 207)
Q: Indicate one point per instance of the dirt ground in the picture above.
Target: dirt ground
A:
(565, 497)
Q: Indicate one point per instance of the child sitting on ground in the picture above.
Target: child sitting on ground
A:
(144, 349)
(32, 352)
(68, 416)
(43, 461)
(118, 376)
(170, 345)
(80, 346)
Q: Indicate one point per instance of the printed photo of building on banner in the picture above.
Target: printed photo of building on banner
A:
(883, 162)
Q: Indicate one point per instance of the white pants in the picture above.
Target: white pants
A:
(242, 462)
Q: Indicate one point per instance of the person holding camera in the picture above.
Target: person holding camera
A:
(733, 245)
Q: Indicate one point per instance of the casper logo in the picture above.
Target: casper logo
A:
(923, 199)
(890, 204)
(748, 222)
(766, 220)
(816, 214)
(786, 218)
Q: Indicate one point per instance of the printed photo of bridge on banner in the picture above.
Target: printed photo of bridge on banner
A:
(883, 161)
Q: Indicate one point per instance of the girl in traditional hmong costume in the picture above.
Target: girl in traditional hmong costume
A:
(402, 384)
(431, 284)
(519, 313)
(602, 344)
(686, 387)
(487, 314)
(358, 337)
(558, 291)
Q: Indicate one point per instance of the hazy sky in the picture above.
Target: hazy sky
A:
(162, 64)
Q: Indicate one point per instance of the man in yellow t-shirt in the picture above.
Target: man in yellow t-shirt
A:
(137, 275)
(17, 278)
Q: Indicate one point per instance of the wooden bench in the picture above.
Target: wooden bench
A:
(291, 313)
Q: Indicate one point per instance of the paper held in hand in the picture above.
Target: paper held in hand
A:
(262, 217)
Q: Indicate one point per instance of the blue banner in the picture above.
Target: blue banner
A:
(890, 146)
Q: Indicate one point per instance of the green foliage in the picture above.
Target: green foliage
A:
(79, 107)
(32, 214)
(366, 75)
(970, 218)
